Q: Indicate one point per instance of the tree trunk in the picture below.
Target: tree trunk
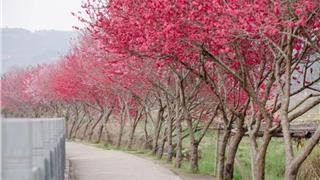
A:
(120, 136)
(293, 168)
(157, 131)
(163, 142)
(107, 135)
(232, 151)
(66, 124)
(179, 144)
(90, 133)
(95, 125)
(259, 157)
(146, 136)
(218, 139)
(85, 130)
(79, 125)
(100, 133)
(131, 135)
(193, 145)
(105, 127)
(194, 158)
(221, 154)
(120, 131)
(169, 135)
(76, 118)
(258, 169)
(290, 174)
(71, 129)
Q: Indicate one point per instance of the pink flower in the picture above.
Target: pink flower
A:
(298, 11)
(276, 8)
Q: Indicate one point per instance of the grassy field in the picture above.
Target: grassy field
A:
(274, 162)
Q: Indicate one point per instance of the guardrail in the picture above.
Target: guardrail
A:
(33, 149)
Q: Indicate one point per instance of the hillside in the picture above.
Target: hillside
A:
(21, 47)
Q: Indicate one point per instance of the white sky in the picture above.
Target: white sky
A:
(40, 14)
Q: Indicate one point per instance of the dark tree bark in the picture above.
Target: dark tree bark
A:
(179, 143)
(169, 135)
(103, 126)
(162, 144)
(146, 144)
(121, 128)
(79, 125)
(221, 153)
(85, 130)
(157, 129)
(95, 125)
(232, 151)
(100, 130)
(72, 128)
(134, 123)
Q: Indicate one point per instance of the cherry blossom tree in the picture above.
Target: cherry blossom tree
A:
(251, 41)
(179, 67)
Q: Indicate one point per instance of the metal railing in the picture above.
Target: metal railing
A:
(33, 149)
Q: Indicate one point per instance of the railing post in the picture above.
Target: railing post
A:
(16, 150)
(33, 149)
(38, 148)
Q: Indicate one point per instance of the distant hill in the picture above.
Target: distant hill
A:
(21, 47)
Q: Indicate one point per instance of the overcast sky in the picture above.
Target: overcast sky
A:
(40, 14)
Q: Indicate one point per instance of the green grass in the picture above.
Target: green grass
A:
(207, 161)
(275, 160)
(274, 168)
(131, 151)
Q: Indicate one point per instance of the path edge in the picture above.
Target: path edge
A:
(69, 170)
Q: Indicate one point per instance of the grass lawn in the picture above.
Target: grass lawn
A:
(275, 160)
(274, 163)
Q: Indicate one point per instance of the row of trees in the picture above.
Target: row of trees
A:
(183, 67)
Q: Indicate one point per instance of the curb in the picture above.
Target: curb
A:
(69, 172)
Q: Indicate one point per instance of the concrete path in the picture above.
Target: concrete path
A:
(90, 163)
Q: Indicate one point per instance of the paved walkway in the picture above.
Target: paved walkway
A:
(90, 163)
